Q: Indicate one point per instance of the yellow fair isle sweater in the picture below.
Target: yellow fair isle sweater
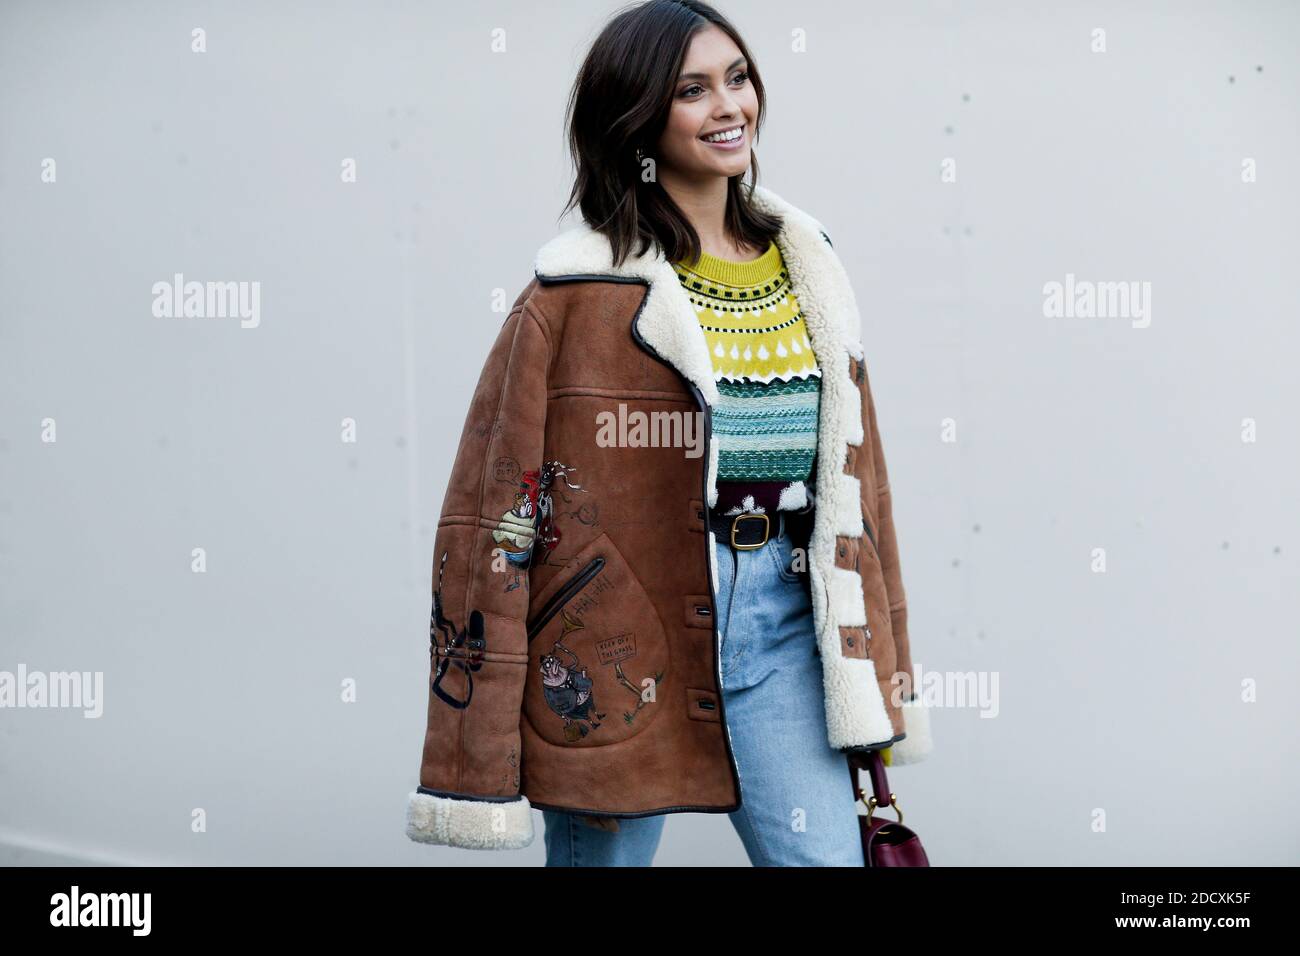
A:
(769, 383)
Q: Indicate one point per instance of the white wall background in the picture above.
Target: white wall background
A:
(1119, 690)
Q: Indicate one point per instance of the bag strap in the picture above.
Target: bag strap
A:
(871, 761)
(881, 797)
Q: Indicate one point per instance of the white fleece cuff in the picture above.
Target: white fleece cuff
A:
(471, 824)
(918, 743)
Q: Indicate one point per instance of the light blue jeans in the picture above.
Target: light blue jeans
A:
(797, 807)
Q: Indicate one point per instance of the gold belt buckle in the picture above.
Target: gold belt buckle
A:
(767, 528)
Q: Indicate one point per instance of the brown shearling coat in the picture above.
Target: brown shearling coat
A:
(573, 651)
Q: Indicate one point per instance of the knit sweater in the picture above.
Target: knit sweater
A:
(769, 383)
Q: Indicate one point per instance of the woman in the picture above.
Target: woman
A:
(674, 437)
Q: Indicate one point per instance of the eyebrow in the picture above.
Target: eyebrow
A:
(704, 76)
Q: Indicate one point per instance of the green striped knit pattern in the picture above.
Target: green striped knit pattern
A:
(767, 432)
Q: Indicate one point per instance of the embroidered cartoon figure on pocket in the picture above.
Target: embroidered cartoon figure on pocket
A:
(568, 689)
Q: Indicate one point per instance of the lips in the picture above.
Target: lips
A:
(727, 133)
(730, 138)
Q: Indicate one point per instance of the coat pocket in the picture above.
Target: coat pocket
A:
(564, 595)
(598, 653)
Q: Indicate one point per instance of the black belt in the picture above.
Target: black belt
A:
(745, 532)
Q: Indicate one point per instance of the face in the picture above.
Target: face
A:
(713, 95)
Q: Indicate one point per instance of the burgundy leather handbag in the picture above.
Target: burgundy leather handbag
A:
(884, 842)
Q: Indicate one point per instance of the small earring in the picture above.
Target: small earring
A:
(639, 157)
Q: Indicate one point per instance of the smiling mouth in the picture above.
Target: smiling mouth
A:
(725, 137)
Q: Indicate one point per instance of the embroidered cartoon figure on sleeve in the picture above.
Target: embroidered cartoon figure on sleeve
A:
(530, 519)
(453, 647)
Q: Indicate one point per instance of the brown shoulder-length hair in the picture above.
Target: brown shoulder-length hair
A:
(618, 110)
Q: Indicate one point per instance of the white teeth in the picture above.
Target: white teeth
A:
(726, 137)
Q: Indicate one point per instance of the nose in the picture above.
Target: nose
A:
(727, 106)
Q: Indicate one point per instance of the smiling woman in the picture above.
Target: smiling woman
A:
(725, 622)
(669, 94)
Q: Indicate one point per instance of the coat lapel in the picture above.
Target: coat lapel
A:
(668, 322)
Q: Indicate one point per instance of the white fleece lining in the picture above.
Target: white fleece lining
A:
(854, 433)
(918, 743)
(470, 824)
(847, 601)
(713, 560)
(849, 520)
(855, 710)
(793, 497)
(851, 681)
(713, 472)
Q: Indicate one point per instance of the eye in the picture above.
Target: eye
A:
(739, 79)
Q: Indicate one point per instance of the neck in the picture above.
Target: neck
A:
(704, 204)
